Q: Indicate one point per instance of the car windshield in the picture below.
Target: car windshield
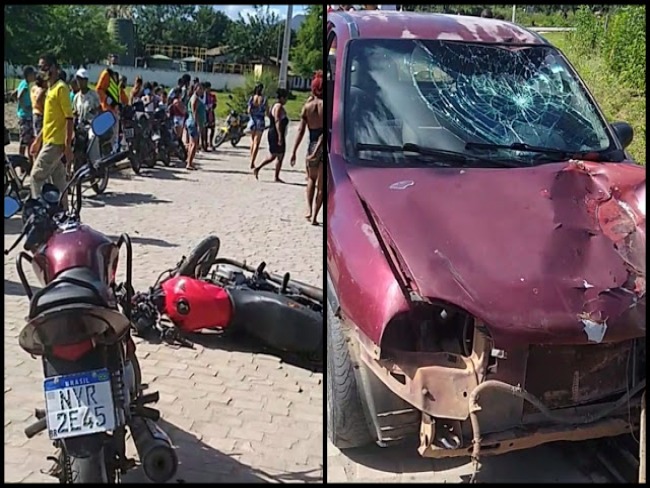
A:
(494, 101)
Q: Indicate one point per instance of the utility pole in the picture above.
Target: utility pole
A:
(286, 43)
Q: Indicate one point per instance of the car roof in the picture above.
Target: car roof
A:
(410, 25)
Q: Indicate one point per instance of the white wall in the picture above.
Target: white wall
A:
(168, 78)
(219, 81)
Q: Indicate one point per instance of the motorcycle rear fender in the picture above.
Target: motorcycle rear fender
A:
(277, 321)
(69, 324)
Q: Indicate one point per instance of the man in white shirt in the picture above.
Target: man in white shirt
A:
(85, 105)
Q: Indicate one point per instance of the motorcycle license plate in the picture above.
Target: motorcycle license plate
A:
(79, 404)
(129, 133)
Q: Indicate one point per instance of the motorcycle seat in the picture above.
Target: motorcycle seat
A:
(76, 286)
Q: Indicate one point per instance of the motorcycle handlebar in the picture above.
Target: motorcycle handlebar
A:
(26, 228)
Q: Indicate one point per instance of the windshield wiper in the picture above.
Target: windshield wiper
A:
(522, 146)
(443, 154)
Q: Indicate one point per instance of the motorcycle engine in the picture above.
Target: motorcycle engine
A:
(227, 274)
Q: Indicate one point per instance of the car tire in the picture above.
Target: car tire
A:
(346, 422)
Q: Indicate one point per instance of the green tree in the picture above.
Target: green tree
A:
(210, 27)
(256, 35)
(75, 33)
(307, 55)
(79, 34)
(20, 42)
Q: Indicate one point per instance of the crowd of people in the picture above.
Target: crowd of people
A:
(49, 102)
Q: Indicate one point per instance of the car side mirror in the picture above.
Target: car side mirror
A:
(624, 132)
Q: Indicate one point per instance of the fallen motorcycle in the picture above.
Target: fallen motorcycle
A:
(204, 292)
(92, 386)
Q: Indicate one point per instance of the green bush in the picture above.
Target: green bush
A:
(241, 94)
(619, 38)
(624, 46)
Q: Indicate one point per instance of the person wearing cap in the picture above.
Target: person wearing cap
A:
(24, 110)
(86, 104)
(55, 140)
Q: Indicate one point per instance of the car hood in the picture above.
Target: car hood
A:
(549, 254)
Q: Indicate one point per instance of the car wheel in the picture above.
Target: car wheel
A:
(346, 422)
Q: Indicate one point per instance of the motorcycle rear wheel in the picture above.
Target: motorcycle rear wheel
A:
(90, 469)
(198, 263)
(135, 163)
(220, 138)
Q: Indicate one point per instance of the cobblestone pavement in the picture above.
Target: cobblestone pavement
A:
(234, 415)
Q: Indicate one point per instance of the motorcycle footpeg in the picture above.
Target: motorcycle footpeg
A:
(148, 398)
(147, 413)
(36, 428)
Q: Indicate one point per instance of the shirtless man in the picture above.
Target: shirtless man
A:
(312, 118)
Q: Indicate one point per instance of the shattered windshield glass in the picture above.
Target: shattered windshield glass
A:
(468, 98)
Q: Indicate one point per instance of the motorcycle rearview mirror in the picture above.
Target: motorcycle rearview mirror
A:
(103, 123)
(12, 206)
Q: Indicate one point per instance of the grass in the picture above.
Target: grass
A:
(618, 102)
(293, 107)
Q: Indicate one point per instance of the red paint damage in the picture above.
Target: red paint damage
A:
(550, 254)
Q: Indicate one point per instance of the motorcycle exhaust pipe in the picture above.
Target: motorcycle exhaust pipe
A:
(155, 450)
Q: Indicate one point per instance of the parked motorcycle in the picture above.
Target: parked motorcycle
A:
(88, 145)
(92, 384)
(168, 144)
(14, 186)
(138, 133)
(234, 128)
(207, 292)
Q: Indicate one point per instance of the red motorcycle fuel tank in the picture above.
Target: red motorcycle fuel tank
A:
(78, 246)
(194, 304)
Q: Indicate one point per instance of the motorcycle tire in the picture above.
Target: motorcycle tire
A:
(235, 141)
(135, 163)
(91, 469)
(198, 263)
(219, 139)
(99, 184)
(165, 159)
(182, 153)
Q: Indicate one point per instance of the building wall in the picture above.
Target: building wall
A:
(219, 81)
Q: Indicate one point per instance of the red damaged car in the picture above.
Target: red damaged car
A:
(485, 241)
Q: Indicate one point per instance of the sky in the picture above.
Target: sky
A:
(233, 11)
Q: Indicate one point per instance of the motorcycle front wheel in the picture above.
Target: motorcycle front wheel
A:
(182, 152)
(198, 263)
(164, 158)
(220, 138)
(100, 183)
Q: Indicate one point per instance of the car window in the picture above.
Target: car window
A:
(448, 93)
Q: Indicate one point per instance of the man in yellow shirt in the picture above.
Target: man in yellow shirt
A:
(55, 140)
